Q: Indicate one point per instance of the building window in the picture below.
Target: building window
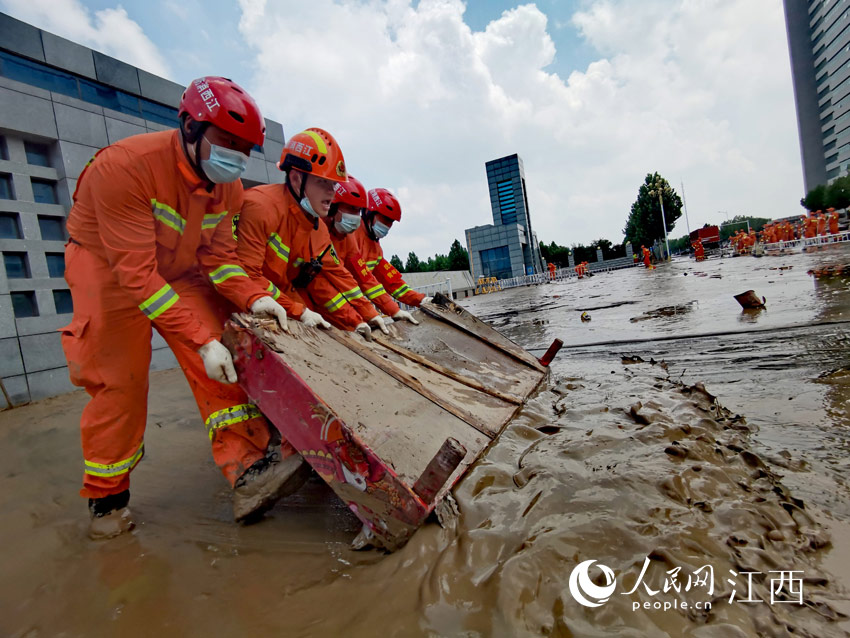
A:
(52, 228)
(21, 70)
(37, 154)
(55, 264)
(507, 202)
(4, 151)
(17, 265)
(6, 186)
(43, 191)
(496, 262)
(62, 301)
(10, 227)
(24, 304)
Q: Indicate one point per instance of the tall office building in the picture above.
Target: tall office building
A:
(508, 247)
(59, 103)
(819, 46)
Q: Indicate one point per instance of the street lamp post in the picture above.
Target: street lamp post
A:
(659, 187)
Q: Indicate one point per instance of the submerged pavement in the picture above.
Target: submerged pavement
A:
(625, 462)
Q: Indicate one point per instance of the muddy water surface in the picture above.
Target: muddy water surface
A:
(628, 463)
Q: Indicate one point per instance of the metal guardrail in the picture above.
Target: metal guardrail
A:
(805, 242)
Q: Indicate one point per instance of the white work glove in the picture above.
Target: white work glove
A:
(313, 319)
(364, 331)
(217, 362)
(268, 307)
(403, 315)
(378, 322)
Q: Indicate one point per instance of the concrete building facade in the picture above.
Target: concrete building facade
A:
(59, 103)
(819, 47)
(508, 247)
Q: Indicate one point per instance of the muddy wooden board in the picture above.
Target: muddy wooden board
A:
(379, 421)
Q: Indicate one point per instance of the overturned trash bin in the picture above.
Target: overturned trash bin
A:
(750, 299)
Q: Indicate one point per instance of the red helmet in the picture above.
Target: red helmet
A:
(380, 200)
(316, 152)
(351, 192)
(223, 103)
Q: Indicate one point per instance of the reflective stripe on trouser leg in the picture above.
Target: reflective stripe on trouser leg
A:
(230, 416)
(242, 442)
(107, 345)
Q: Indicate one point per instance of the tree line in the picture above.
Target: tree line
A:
(823, 196)
(457, 259)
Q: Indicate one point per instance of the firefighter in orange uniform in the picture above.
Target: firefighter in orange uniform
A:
(821, 224)
(151, 247)
(832, 221)
(552, 270)
(646, 256)
(382, 210)
(284, 245)
(699, 250)
(344, 218)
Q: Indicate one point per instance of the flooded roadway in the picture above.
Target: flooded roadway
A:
(618, 461)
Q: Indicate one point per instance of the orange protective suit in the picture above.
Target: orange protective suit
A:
(384, 271)
(148, 243)
(832, 223)
(348, 250)
(821, 225)
(276, 238)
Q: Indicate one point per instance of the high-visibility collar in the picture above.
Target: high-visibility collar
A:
(196, 185)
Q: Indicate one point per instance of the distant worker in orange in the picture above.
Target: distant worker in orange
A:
(832, 221)
(646, 256)
(699, 250)
(382, 211)
(821, 224)
(345, 217)
(810, 226)
(551, 271)
(151, 247)
(284, 245)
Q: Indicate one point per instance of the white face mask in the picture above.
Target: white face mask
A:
(380, 230)
(348, 224)
(308, 207)
(224, 165)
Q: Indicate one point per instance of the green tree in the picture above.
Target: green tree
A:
(644, 224)
(815, 199)
(396, 262)
(739, 222)
(838, 193)
(458, 257)
(413, 264)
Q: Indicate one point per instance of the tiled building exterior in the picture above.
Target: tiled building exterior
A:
(508, 247)
(819, 45)
(59, 103)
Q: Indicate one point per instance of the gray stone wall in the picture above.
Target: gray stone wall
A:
(32, 364)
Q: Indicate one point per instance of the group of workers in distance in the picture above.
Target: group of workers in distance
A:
(163, 236)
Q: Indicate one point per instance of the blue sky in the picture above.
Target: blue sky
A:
(593, 95)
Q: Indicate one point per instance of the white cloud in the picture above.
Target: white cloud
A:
(696, 89)
(110, 30)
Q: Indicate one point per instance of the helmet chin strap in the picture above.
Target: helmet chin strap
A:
(195, 136)
(298, 197)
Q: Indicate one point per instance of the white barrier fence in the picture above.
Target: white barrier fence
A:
(805, 242)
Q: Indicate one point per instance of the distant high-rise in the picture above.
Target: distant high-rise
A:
(819, 45)
(508, 247)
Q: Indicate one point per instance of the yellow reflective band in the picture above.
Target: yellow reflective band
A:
(223, 273)
(336, 303)
(168, 216)
(320, 143)
(114, 469)
(229, 416)
(371, 264)
(211, 221)
(398, 293)
(159, 302)
(353, 294)
(274, 290)
(280, 249)
(299, 261)
(375, 291)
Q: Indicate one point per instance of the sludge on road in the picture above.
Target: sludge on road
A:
(617, 461)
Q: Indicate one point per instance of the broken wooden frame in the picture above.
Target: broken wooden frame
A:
(392, 424)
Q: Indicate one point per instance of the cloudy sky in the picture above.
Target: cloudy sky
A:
(592, 94)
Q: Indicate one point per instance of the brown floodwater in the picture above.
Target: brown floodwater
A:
(624, 458)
